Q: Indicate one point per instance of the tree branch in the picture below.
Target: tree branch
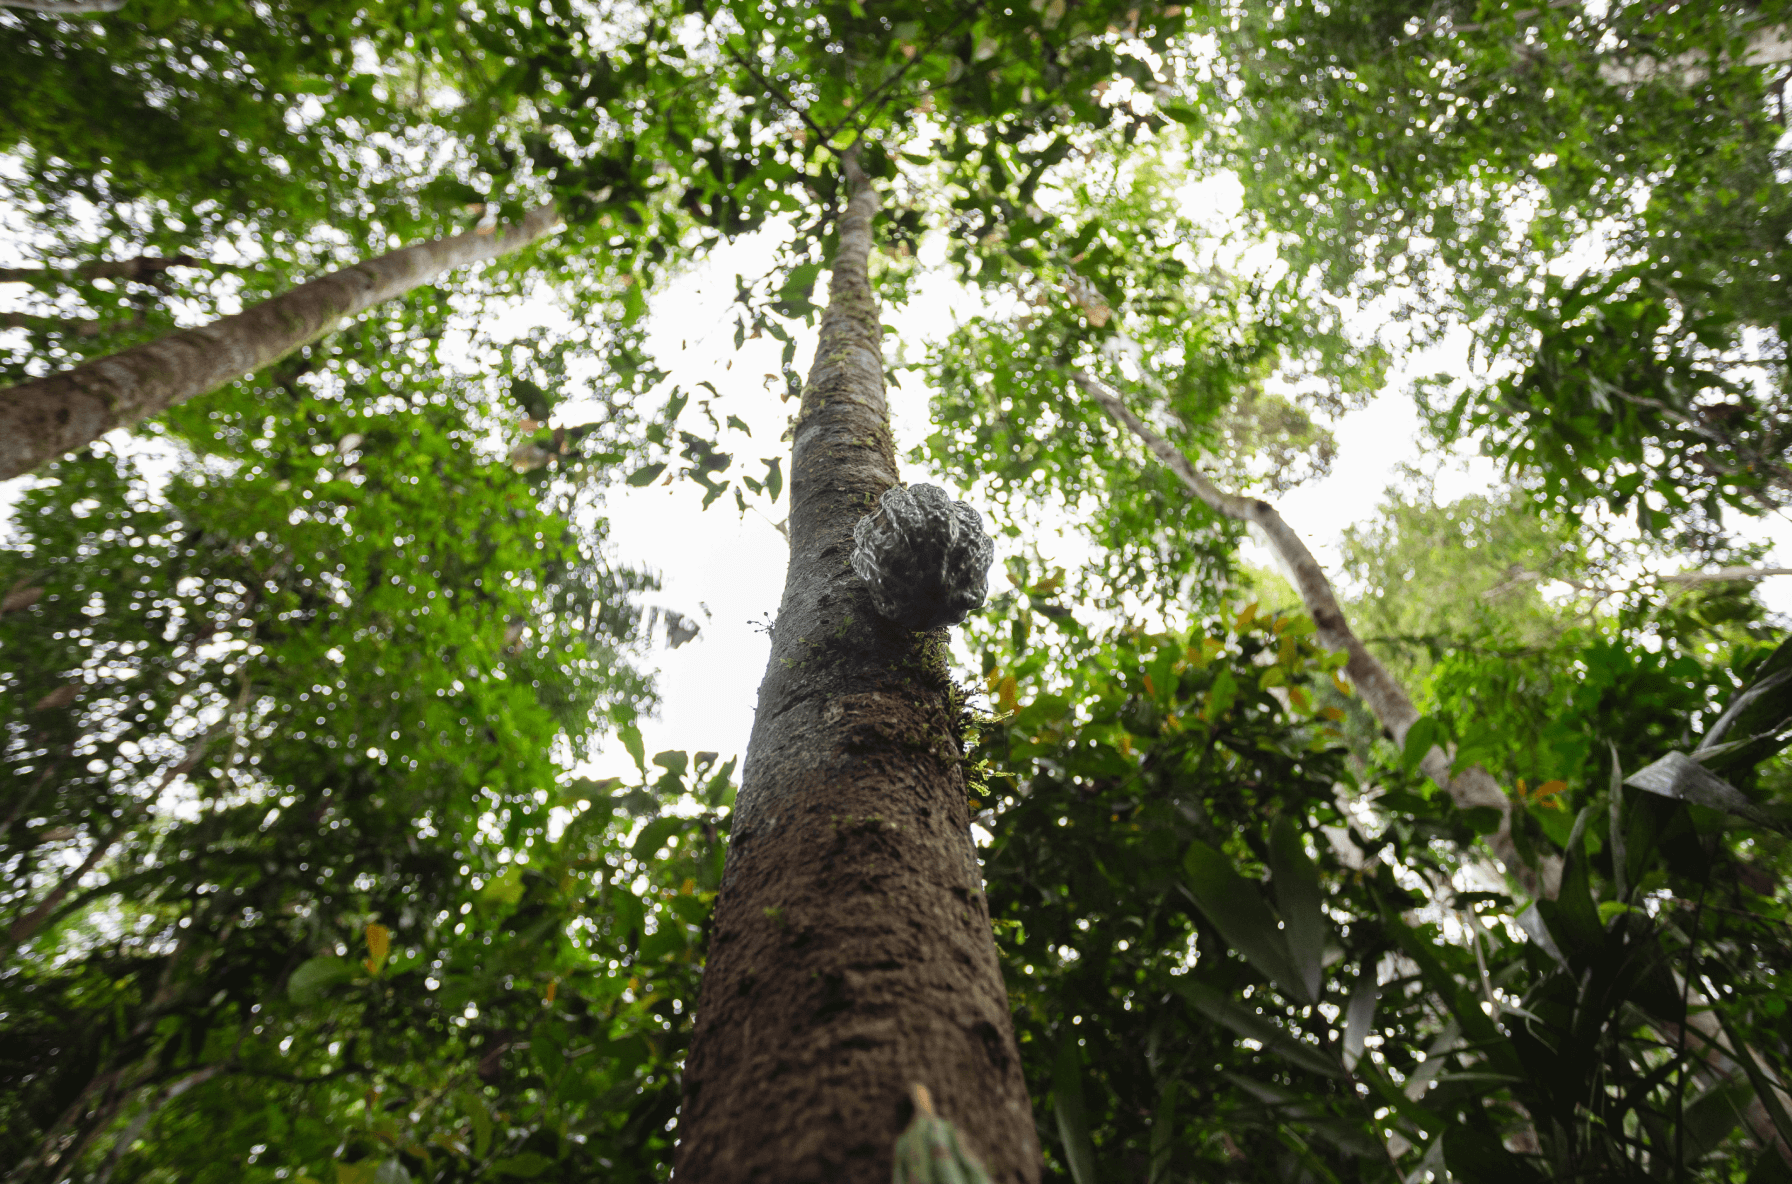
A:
(1724, 574)
(140, 269)
(777, 92)
(1381, 693)
(65, 7)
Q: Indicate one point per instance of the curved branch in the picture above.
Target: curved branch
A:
(45, 417)
(1381, 692)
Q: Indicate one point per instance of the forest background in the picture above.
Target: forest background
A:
(308, 874)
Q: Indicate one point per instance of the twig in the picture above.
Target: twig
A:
(893, 79)
(777, 92)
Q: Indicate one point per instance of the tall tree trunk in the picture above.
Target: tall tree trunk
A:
(852, 956)
(46, 417)
(1385, 698)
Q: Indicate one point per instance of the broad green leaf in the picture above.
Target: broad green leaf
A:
(1236, 908)
(630, 736)
(505, 888)
(1359, 1016)
(311, 978)
(646, 474)
(1295, 881)
(1072, 1113)
(1573, 916)
(480, 1115)
(1249, 1023)
(1425, 734)
(526, 1166)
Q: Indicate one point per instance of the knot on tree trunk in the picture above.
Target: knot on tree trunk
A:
(924, 556)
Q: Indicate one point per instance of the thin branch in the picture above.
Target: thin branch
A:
(1446, 26)
(142, 269)
(1724, 574)
(777, 92)
(73, 326)
(1778, 473)
(122, 1144)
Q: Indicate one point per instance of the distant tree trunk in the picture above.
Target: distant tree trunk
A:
(46, 417)
(852, 955)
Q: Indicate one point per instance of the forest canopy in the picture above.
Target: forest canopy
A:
(1462, 858)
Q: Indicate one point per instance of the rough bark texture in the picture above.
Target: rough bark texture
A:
(44, 418)
(852, 956)
(65, 7)
(1382, 694)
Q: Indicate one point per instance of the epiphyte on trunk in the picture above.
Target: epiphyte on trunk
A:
(924, 556)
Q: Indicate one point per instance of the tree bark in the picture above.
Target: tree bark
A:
(144, 269)
(65, 7)
(852, 955)
(1382, 694)
(46, 417)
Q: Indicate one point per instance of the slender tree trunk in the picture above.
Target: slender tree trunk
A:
(46, 417)
(852, 955)
(65, 7)
(1385, 698)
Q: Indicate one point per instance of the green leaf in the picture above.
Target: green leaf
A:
(1677, 775)
(1295, 880)
(1573, 916)
(630, 736)
(1182, 113)
(480, 1116)
(1072, 1114)
(392, 1171)
(1246, 1022)
(1163, 1134)
(1712, 1115)
(800, 282)
(1425, 734)
(313, 977)
(653, 836)
(1359, 1016)
(526, 1166)
(646, 474)
(1475, 1155)
(505, 888)
(1236, 908)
